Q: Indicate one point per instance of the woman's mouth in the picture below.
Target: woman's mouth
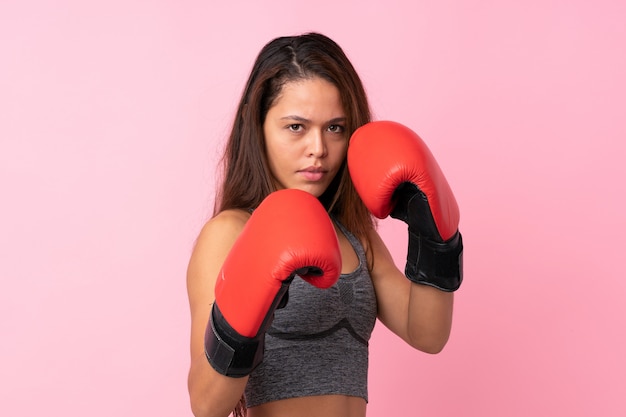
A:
(312, 173)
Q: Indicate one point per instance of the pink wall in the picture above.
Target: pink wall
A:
(111, 116)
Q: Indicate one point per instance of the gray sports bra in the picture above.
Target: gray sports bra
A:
(318, 343)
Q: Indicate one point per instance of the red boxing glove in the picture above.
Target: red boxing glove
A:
(289, 233)
(395, 174)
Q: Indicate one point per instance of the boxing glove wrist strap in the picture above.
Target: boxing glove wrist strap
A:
(228, 352)
(437, 264)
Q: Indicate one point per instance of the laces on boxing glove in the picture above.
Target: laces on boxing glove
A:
(430, 260)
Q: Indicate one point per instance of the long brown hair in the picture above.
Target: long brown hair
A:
(247, 179)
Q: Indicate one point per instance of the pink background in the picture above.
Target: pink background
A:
(112, 114)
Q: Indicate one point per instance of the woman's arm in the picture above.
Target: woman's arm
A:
(396, 175)
(211, 393)
(255, 265)
(420, 314)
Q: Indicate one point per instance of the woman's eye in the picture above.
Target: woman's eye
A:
(296, 127)
(336, 128)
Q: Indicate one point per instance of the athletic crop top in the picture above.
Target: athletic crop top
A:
(318, 343)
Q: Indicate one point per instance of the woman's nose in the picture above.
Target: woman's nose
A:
(316, 144)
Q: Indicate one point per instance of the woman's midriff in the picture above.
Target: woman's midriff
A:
(323, 405)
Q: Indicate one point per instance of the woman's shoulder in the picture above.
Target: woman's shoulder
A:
(218, 235)
(233, 218)
(211, 248)
(224, 226)
(377, 251)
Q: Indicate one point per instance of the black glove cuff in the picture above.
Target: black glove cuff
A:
(228, 352)
(437, 264)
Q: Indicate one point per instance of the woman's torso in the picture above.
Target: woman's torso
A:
(346, 317)
(318, 406)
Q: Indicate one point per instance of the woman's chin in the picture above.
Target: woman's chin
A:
(315, 190)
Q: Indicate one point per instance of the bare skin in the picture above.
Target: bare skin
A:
(324, 405)
(306, 145)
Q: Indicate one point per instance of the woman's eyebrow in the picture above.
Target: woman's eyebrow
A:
(296, 118)
(305, 120)
(337, 120)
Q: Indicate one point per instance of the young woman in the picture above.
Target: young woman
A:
(288, 337)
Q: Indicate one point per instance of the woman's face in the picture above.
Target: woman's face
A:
(305, 136)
